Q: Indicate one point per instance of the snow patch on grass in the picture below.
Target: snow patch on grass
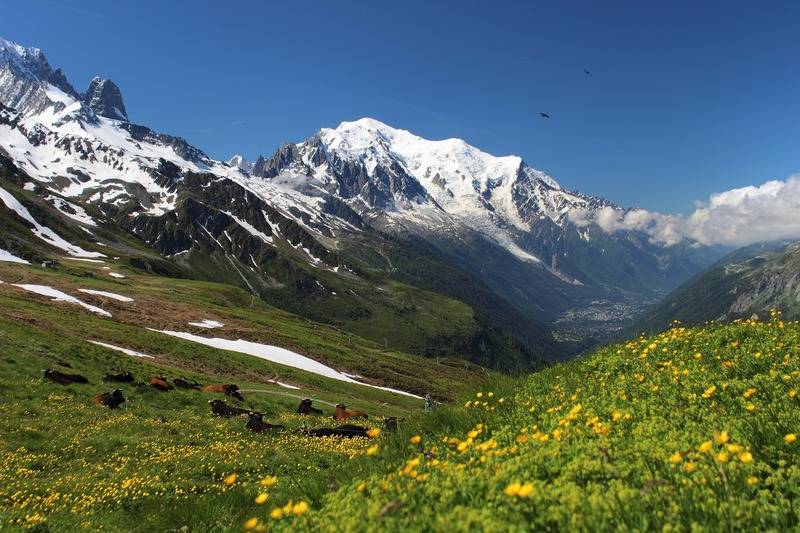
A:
(11, 258)
(59, 296)
(105, 294)
(206, 323)
(121, 349)
(276, 355)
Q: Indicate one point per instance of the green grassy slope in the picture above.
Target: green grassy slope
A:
(170, 304)
(693, 429)
(690, 429)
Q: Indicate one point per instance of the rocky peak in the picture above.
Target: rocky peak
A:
(105, 99)
(269, 168)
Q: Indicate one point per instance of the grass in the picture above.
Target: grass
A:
(690, 429)
(158, 461)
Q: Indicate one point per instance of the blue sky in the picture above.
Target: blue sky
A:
(684, 99)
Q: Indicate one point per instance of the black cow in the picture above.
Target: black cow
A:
(182, 383)
(125, 377)
(63, 379)
(305, 408)
(390, 423)
(255, 423)
(220, 408)
(109, 399)
(345, 430)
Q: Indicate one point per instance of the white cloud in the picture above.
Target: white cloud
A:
(737, 217)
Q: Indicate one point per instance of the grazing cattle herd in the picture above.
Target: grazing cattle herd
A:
(255, 420)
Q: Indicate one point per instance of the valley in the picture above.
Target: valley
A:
(484, 347)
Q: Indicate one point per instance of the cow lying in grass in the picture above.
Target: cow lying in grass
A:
(220, 408)
(342, 413)
(345, 430)
(125, 377)
(305, 408)
(390, 423)
(255, 423)
(160, 383)
(228, 390)
(63, 379)
(182, 383)
(109, 399)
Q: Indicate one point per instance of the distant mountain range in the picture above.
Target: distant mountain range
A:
(363, 226)
(750, 281)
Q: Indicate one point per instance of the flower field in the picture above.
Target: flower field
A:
(692, 429)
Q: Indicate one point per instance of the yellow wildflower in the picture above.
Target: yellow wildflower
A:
(721, 457)
(675, 458)
(752, 480)
(229, 480)
(415, 439)
(705, 447)
(722, 437)
(373, 432)
(372, 450)
(749, 392)
(525, 490)
(709, 391)
(261, 498)
(789, 438)
(746, 457)
(276, 513)
(689, 466)
(269, 481)
(252, 523)
(512, 489)
(300, 508)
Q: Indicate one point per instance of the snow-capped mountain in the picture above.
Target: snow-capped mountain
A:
(401, 182)
(331, 204)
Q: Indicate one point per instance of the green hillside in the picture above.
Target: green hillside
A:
(691, 429)
(749, 281)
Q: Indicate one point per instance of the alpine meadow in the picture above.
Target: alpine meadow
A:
(381, 324)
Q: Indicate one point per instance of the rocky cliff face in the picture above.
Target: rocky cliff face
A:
(104, 98)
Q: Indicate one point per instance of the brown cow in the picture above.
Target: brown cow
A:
(228, 390)
(256, 423)
(160, 383)
(109, 399)
(342, 413)
(220, 408)
(63, 379)
(305, 408)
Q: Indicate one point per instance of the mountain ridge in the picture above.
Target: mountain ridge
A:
(327, 204)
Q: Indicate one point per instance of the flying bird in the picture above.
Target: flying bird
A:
(544, 115)
(587, 72)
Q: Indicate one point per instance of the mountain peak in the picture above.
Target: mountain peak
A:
(239, 161)
(27, 61)
(104, 98)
